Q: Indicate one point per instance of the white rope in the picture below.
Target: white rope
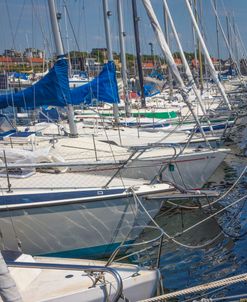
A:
(172, 238)
(202, 287)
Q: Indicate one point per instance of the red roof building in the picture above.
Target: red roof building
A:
(36, 61)
(5, 60)
(148, 65)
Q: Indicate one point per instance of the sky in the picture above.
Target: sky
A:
(25, 23)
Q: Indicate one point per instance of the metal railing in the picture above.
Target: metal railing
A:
(69, 267)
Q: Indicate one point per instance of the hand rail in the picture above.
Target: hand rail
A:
(86, 268)
(61, 164)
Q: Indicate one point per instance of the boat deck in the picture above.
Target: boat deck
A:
(37, 284)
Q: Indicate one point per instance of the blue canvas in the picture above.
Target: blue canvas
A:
(103, 88)
(52, 89)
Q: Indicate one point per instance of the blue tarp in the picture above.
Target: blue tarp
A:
(103, 88)
(22, 76)
(150, 89)
(83, 74)
(52, 89)
(231, 72)
(157, 75)
(50, 114)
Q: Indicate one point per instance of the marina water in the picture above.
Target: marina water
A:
(219, 245)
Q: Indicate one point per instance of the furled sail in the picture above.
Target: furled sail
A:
(52, 89)
(103, 88)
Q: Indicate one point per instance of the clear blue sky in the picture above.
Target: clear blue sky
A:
(25, 23)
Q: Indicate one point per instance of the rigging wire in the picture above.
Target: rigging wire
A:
(10, 24)
(71, 26)
(42, 28)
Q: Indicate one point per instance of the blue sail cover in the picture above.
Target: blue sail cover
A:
(52, 89)
(155, 74)
(150, 89)
(103, 88)
(20, 75)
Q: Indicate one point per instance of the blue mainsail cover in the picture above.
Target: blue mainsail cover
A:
(52, 89)
(150, 89)
(103, 88)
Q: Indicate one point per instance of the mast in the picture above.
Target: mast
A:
(207, 56)
(243, 46)
(231, 55)
(138, 52)
(195, 51)
(167, 40)
(217, 35)
(170, 60)
(228, 38)
(107, 14)
(67, 39)
(199, 49)
(60, 52)
(123, 57)
(185, 62)
(236, 42)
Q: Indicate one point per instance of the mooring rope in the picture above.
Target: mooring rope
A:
(172, 238)
(198, 288)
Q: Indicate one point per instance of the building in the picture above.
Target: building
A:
(90, 62)
(147, 65)
(147, 68)
(20, 63)
(5, 61)
(77, 63)
(100, 54)
(33, 53)
(35, 61)
(11, 53)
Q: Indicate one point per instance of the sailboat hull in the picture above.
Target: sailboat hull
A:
(87, 227)
(189, 170)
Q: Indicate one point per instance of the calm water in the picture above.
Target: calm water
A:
(226, 256)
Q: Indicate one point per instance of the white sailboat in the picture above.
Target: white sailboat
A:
(61, 280)
(76, 221)
(74, 213)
